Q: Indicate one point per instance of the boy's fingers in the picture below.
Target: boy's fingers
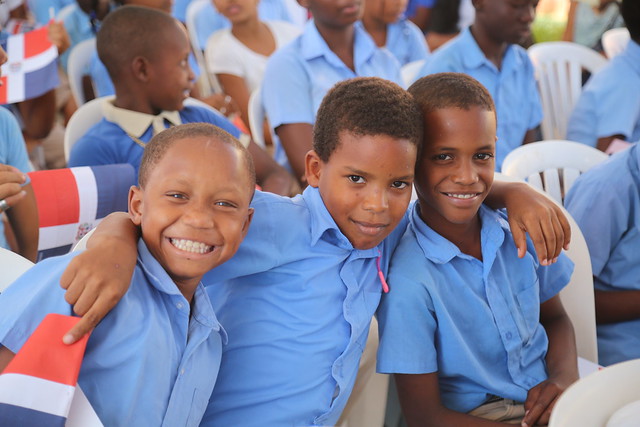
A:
(520, 239)
(541, 402)
(83, 327)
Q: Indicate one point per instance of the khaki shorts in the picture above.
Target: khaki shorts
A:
(504, 410)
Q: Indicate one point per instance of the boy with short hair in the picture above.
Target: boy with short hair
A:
(146, 52)
(300, 294)
(143, 364)
(488, 51)
(489, 336)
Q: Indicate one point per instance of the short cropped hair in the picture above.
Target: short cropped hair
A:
(155, 149)
(630, 11)
(131, 31)
(365, 106)
(450, 90)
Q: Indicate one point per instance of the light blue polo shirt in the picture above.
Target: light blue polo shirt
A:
(298, 76)
(296, 301)
(78, 26)
(13, 152)
(476, 323)
(513, 87)
(610, 101)
(406, 42)
(149, 362)
(605, 202)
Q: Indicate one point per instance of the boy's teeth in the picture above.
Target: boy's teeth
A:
(461, 196)
(191, 246)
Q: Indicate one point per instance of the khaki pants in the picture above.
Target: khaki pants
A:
(504, 410)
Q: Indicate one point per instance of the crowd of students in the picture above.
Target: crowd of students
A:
(231, 306)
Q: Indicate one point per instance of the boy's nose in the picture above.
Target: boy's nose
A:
(466, 174)
(198, 217)
(376, 200)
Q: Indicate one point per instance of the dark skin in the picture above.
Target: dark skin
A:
(420, 394)
(617, 306)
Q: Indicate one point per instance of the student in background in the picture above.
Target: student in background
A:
(471, 331)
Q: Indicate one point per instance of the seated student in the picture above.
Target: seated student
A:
(605, 202)
(238, 55)
(489, 337)
(609, 105)
(587, 20)
(300, 294)
(488, 51)
(146, 53)
(383, 20)
(144, 363)
(332, 48)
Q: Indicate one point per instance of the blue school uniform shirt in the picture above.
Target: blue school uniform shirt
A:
(13, 152)
(296, 301)
(605, 202)
(513, 87)
(476, 323)
(148, 362)
(298, 76)
(406, 42)
(610, 101)
(78, 26)
(108, 143)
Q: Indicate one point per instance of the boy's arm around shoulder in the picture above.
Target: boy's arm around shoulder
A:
(97, 279)
(530, 211)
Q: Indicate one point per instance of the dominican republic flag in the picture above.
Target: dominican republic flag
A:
(31, 68)
(38, 386)
(72, 201)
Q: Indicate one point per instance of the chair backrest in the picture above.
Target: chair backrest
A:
(72, 201)
(77, 67)
(12, 266)
(578, 296)
(206, 81)
(615, 41)
(551, 166)
(409, 71)
(558, 69)
(592, 400)
(257, 116)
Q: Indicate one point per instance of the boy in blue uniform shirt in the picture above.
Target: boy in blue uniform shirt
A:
(605, 202)
(609, 105)
(488, 335)
(146, 52)
(299, 295)
(488, 51)
(143, 364)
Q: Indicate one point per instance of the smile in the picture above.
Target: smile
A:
(191, 246)
(462, 196)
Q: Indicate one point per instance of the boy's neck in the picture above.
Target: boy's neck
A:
(250, 28)
(187, 287)
(465, 236)
(341, 41)
(493, 49)
(376, 28)
(134, 102)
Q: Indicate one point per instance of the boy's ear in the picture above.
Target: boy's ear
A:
(135, 205)
(140, 68)
(313, 168)
(247, 223)
(304, 3)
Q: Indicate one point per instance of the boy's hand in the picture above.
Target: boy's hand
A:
(532, 212)
(95, 285)
(11, 180)
(541, 399)
(59, 36)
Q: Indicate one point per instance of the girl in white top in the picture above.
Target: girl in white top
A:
(238, 55)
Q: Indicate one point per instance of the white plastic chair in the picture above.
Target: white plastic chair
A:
(12, 266)
(257, 115)
(551, 166)
(615, 41)
(91, 113)
(206, 81)
(578, 296)
(79, 60)
(592, 400)
(558, 69)
(409, 71)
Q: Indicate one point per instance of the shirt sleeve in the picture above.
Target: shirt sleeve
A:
(617, 108)
(418, 47)
(407, 326)
(533, 96)
(95, 148)
(15, 145)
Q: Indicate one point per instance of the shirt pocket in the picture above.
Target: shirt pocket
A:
(528, 317)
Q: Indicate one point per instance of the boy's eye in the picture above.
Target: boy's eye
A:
(441, 157)
(225, 204)
(400, 184)
(356, 179)
(178, 196)
(484, 156)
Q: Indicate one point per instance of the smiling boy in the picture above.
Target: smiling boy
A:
(143, 364)
(489, 338)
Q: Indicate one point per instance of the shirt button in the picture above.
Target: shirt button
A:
(179, 305)
(509, 335)
(181, 371)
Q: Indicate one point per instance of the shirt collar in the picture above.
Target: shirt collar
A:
(441, 251)
(314, 46)
(133, 122)
(474, 56)
(202, 311)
